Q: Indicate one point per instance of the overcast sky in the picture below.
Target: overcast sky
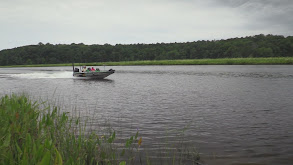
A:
(26, 22)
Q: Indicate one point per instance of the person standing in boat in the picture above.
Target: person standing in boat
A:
(83, 69)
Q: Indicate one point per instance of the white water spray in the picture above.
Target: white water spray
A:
(41, 75)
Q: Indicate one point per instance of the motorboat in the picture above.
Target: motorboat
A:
(91, 72)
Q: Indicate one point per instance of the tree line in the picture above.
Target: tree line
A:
(251, 46)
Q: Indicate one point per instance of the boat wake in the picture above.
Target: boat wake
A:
(41, 75)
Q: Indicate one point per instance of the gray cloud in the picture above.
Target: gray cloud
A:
(258, 3)
(264, 14)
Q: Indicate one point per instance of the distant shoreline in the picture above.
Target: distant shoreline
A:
(219, 61)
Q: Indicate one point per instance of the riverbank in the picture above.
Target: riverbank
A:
(36, 134)
(219, 61)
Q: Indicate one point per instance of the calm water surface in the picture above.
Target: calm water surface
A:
(232, 114)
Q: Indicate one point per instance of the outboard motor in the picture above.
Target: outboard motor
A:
(76, 70)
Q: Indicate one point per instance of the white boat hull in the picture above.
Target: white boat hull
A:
(94, 74)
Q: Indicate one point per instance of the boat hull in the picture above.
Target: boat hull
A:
(93, 75)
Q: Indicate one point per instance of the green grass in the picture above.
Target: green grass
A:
(219, 61)
(33, 136)
(33, 133)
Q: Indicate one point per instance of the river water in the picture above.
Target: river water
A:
(231, 114)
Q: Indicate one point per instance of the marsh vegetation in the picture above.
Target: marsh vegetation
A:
(32, 133)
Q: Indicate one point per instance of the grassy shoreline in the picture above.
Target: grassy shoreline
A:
(34, 134)
(219, 61)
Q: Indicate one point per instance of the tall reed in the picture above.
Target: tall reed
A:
(32, 133)
(33, 136)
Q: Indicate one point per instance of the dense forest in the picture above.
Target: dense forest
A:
(252, 46)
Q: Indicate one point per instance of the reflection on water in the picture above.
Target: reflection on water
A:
(232, 114)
